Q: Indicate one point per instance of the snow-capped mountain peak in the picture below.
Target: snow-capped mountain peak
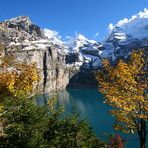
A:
(81, 38)
(78, 41)
(20, 19)
(127, 34)
(141, 15)
(53, 36)
(136, 27)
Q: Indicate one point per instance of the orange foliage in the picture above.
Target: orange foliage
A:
(16, 78)
(124, 87)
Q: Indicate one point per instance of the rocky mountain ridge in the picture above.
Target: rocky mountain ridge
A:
(71, 63)
(127, 34)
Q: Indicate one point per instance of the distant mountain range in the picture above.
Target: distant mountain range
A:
(72, 62)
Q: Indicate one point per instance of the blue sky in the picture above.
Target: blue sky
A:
(87, 17)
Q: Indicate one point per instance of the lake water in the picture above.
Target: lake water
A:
(89, 103)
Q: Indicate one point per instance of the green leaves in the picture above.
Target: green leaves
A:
(24, 123)
(27, 125)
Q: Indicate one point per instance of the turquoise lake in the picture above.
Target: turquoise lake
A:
(89, 103)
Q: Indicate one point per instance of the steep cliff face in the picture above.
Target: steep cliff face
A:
(60, 64)
(28, 43)
(71, 63)
(51, 66)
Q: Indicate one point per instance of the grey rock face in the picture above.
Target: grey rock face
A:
(70, 64)
(51, 67)
(56, 68)
(19, 29)
(28, 43)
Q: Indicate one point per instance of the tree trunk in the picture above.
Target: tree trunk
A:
(142, 143)
(142, 134)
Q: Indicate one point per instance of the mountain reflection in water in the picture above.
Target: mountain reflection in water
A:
(89, 103)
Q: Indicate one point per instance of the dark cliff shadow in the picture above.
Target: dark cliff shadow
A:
(84, 78)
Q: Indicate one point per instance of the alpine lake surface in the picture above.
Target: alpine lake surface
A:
(89, 104)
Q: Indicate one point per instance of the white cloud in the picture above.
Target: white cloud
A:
(96, 34)
(110, 27)
(141, 14)
(51, 33)
(59, 36)
(76, 33)
(133, 17)
(68, 37)
(121, 22)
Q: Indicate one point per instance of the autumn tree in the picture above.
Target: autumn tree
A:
(25, 124)
(124, 86)
(16, 78)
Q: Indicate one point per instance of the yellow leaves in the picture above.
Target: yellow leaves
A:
(117, 127)
(105, 63)
(137, 55)
(143, 116)
(123, 86)
(26, 77)
(136, 62)
(121, 128)
(17, 78)
(6, 80)
(1, 108)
